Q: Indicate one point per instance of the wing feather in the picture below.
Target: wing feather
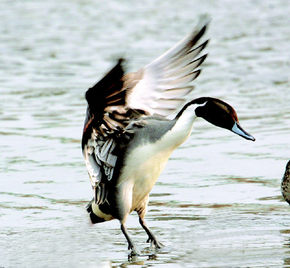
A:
(175, 69)
(160, 88)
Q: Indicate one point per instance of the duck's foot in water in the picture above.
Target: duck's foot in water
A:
(133, 254)
(154, 242)
(151, 237)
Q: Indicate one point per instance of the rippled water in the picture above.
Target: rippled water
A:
(218, 202)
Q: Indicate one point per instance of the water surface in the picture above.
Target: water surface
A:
(218, 202)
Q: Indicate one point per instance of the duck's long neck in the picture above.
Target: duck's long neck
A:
(185, 118)
(183, 125)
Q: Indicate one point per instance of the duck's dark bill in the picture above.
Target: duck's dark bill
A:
(238, 130)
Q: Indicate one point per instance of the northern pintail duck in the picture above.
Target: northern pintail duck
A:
(285, 184)
(128, 136)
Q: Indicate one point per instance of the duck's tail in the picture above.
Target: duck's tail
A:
(93, 217)
(96, 215)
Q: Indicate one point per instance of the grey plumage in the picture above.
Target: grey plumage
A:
(151, 130)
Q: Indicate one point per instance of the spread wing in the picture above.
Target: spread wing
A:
(158, 89)
(161, 87)
(105, 114)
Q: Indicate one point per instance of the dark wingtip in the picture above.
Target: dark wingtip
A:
(203, 23)
(200, 47)
(121, 61)
(202, 58)
(197, 73)
(205, 43)
(199, 30)
(113, 75)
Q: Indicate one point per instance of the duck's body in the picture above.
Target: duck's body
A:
(144, 157)
(128, 136)
(285, 184)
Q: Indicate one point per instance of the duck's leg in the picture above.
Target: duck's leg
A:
(129, 240)
(151, 236)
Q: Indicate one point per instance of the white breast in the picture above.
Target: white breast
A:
(143, 167)
(144, 164)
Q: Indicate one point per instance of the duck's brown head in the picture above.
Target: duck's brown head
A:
(220, 114)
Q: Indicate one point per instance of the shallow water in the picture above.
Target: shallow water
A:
(218, 202)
